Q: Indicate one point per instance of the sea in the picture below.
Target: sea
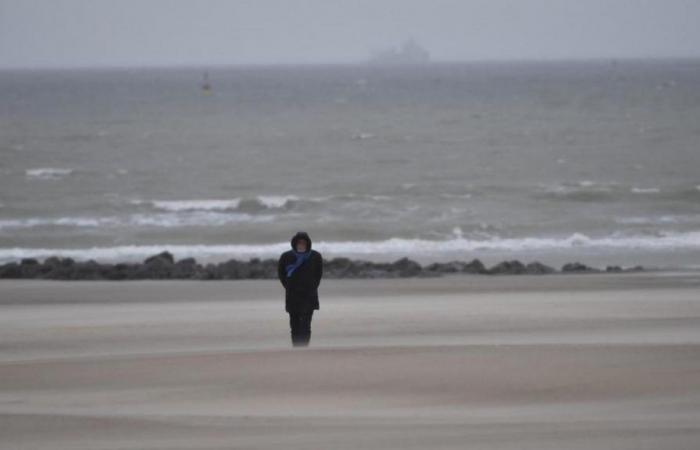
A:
(556, 161)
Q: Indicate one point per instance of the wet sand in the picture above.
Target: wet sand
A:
(609, 361)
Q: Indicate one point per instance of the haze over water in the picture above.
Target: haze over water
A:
(559, 161)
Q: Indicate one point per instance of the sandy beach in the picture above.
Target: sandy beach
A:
(606, 361)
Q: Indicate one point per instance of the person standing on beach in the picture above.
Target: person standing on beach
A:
(300, 270)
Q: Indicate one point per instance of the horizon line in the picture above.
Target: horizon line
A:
(359, 63)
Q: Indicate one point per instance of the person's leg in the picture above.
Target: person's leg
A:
(296, 329)
(293, 325)
(306, 327)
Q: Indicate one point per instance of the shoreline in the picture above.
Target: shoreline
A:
(164, 266)
(47, 291)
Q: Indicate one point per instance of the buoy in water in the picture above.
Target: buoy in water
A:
(206, 86)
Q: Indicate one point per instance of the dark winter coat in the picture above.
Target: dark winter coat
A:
(301, 289)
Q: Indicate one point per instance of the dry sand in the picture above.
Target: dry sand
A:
(609, 361)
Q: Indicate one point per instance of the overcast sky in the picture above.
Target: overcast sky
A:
(163, 32)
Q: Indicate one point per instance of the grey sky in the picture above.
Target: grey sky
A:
(160, 32)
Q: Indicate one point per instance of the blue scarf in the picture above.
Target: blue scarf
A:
(301, 258)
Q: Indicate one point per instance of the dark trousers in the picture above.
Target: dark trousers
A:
(300, 323)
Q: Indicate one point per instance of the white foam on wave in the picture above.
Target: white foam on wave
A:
(133, 253)
(660, 220)
(267, 201)
(196, 219)
(645, 190)
(458, 246)
(166, 220)
(192, 205)
(353, 196)
(47, 173)
(276, 201)
(450, 195)
(362, 136)
(462, 244)
(578, 187)
(58, 221)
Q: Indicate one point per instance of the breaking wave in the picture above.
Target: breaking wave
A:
(588, 190)
(252, 204)
(47, 173)
(260, 202)
(394, 246)
(167, 220)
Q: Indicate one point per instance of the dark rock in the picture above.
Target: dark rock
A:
(269, 268)
(448, 267)
(577, 267)
(255, 269)
(164, 256)
(185, 268)
(375, 272)
(232, 270)
(163, 266)
(58, 268)
(513, 267)
(537, 268)
(475, 266)
(158, 266)
(187, 262)
(337, 267)
(52, 261)
(30, 267)
(88, 270)
(120, 271)
(10, 270)
(406, 267)
(210, 272)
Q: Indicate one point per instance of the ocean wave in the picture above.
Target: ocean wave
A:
(585, 184)
(166, 220)
(450, 195)
(47, 173)
(362, 136)
(191, 205)
(260, 202)
(585, 190)
(673, 219)
(58, 221)
(686, 193)
(645, 190)
(196, 219)
(461, 244)
(255, 204)
(394, 246)
(588, 190)
(276, 201)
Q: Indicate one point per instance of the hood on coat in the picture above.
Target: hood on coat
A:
(299, 235)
